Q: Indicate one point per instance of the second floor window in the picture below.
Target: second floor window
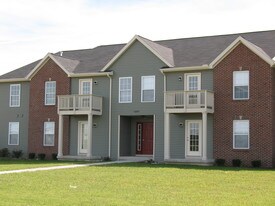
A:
(241, 85)
(125, 89)
(147, 88)
(15, 95)
(50, 92)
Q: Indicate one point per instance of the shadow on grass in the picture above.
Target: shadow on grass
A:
(182, 166)
(11, 161)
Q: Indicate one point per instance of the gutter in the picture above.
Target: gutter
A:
(93, 74)
(182, 69)
(14, 80)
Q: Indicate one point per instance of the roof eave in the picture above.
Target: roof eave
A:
(92, 74)
(182, 69)
(14, 80)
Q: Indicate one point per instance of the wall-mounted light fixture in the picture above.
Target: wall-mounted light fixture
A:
(95, 82)
(94, 124)
(180, 78)
(180, 124)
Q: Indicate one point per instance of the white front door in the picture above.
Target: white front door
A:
(193, 83)
(82, 137)
(193, 140)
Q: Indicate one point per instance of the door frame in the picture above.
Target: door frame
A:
(187, 152)
(79, 137)
(186, 87)
(137, 132)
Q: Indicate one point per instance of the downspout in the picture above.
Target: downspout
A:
(110, 114)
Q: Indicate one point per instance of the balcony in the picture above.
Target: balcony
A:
(79, 104)
(189, 101)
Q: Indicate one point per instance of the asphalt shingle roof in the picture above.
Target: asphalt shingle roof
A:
(184, 52)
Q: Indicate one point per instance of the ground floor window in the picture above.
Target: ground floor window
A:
(49, 133)
(241, 134)
(13, 133)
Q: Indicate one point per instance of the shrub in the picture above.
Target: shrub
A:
(31, 155)
(54, 156)
(256, 163)
(41, 156)
(236, 162)
(220, 162)
(106, 159)
(17, 153)
(4, 152)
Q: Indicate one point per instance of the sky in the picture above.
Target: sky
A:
(29, 29)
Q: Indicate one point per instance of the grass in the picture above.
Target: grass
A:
(140, 184)
(14, 164)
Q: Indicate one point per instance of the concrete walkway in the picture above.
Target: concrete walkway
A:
(64, 167)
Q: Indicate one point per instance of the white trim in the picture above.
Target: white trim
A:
(249, 45)
(186, 81)
(92, 74)
(136, 37)
(118, 137)
(234, 73)
(80, 87)
(14, 80)
(110, 115)
(44, 135)
(183, 69)
(248, 135)
(142, 77)
(42, 63)
(131, 89)
(154, 136)
(45, 94)
(187, 152)
(80, 123)
(17, 133)
(19, 101)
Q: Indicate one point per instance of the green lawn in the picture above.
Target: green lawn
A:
(140, 184)
(12, 164)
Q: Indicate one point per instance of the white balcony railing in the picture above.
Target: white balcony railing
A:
(189, 100)
(79, 103)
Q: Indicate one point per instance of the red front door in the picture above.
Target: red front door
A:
(144, 138)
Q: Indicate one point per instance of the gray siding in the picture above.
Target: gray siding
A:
(138, 61)
(173, 82)
(177, 134)
(14, 114)
(100, 141)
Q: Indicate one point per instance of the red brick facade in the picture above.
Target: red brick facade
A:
(258, 109)
(40, 113)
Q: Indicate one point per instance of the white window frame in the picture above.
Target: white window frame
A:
(119, 90)
(142, 87)
(44, 135)
(234, 76)
(47, 82)
(19, 95)
(81, 81)
(10, 123)
(186, 82)
(248, 135)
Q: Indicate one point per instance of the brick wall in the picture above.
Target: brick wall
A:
(40, 113)
(258, 109)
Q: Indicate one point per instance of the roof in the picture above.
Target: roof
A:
(185, 52)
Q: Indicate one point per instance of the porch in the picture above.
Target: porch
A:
(182, 101)
(79, 105)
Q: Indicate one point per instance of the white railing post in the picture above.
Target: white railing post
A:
(205, 100)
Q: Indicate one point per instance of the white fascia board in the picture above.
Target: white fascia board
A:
(14, 80)
(136, 37)
(42, 63)
(233, 45)
(92, 74)
(183, 69)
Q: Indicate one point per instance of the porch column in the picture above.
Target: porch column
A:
(204, 135)
(60, 136)
(90, 134)
(166, 136)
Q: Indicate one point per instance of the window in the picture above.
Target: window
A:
(85, 86)
(241, 85)
(50, 92)
(15, 95)
(147, 88)
(241, 134)
(49, 133)
(13, 138)
(125, 89)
